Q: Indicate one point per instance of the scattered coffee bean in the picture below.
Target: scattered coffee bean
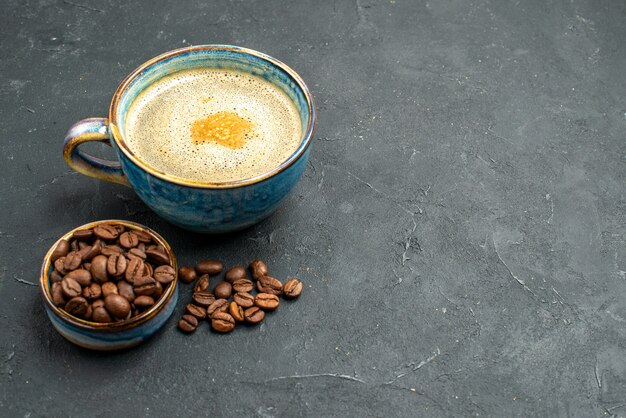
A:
(117, 306)
(126, 290)
(188, 324)
(253, 315)
(210, 267)
(222, 322)
(235, 273)
(106, 232)
(143, 302)
(236, 311)
(71, 288)
(202, 284)
(76, 306)
(92, 292)
(197, 311)
(223, 290)
(243, 299)
(243, 286)
(164, 274)
(258, 269)
(220, 305)
(268, 284)
(72, 261)
(267, 301)
(292, 288)
(109, 288)
(187, 274)
(203, 298)
(129, 240)
(61, 250)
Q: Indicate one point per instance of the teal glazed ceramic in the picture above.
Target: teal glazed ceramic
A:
(197, 206)
(115, 335)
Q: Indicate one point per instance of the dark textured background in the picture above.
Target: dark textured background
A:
(460, 228)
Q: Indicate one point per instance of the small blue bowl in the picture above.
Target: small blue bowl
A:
(115, 335)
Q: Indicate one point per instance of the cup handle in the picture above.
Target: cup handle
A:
(92, 129)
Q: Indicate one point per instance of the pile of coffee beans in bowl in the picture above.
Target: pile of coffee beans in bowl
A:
(109, 273)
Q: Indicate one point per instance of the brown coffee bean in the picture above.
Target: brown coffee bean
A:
(243, 299)
(76, 306)
(136, 253)
(110, 250)
(258, 269)
(143, 236)
(210, 267)
(83, 234)
(92, 292)
(55, 277)
(98, 303)
(197, 311)
(117, 306)
(145, 285)
(129, 240)
(88, 313)
(72, 261)
(98, 268)
(82, 276)
(267, 301)
(134, 270)
(109, 288)
(202, 284)
(236, 311)
(223, 290)
(158, 256)
(57, 295)
(268, 284)
(243, 286)
(120, 228)
(222, 322)
(253, 315)
(235, 273)
(158, 291)
(74, 245)
(188, 324)
(143, 302)
(164, 274)
(61, 250)
(100, 314)
(203, 298)
(116, 265)
(106, 232)
(91, 251)
(148, 270)
(220, 305)
(292, 288)
(125, 289)
(70, 288)
(141, 247)
(87, 266)
(187, 274)
(59, 266)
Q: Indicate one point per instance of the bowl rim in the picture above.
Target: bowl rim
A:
(44, 283)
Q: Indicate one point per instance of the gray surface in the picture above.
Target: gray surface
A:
(460, 229)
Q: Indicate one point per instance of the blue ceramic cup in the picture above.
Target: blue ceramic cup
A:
(208, 207)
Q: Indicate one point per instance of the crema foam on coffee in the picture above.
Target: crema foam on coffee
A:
(213, 125)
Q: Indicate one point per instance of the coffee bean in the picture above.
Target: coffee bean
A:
(136, 253)
(187, 274)
(236, 311)
(222, 322)
(92, 292)
(143, 302)
(197, 311)
(87, 266)
(59, 266)
(70, 288)
(125, 290)
(253, 315)
(145, 285)
(110, 250)
(148, 270)
(109, 288)
(292, 288)
(188, 324)
(258, 269)
(83, 234)
(210, 267)
(266, 301)
(61, 250)
(223, 290)
(243, 286)
(220, 305)
(203, 298)
(158, 256)
(202, 284)
(235, 273)
(100, 314)
(88, 313)
(164, 274)
(141, 247)
(57, 295)
(129, 240)
(92, 251)
(158, 291)
(82, 245)
(76, 306)
(245, 300)
(268, 284)
(72, 261)
(117, 306)
(106, 232)
(98, 268)
(55, 277)
(74, 246)
(143, 236)
(134, 270)
(116, 265)
(82, 276)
